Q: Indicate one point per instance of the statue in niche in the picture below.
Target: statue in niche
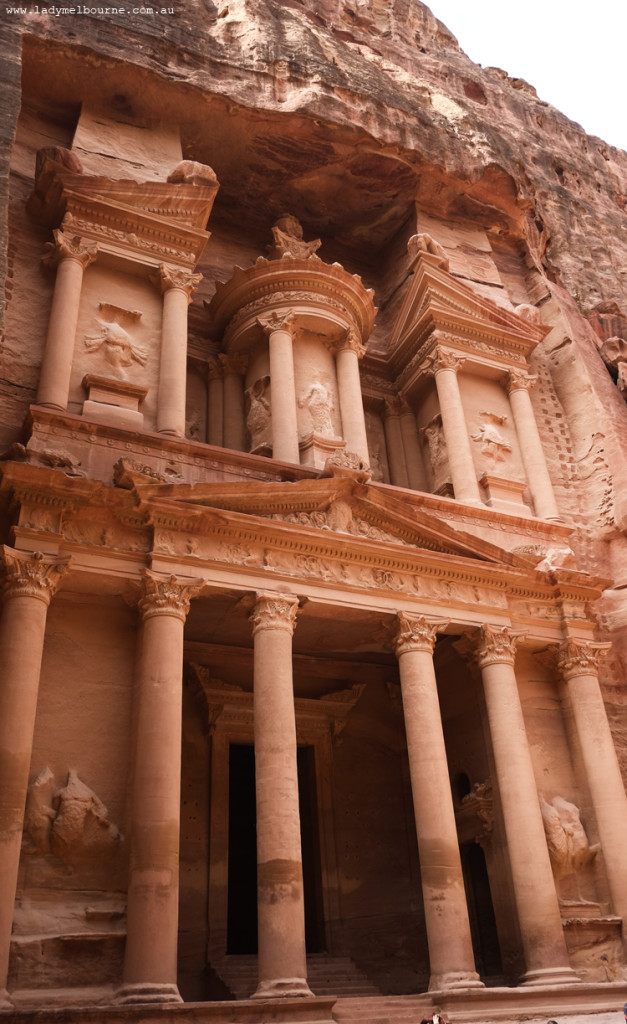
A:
(493, 445)
(566, 839)
(376, 464)
(258, 414)
(317, 401)
(438, 454)
(288, 240)
(117, 345)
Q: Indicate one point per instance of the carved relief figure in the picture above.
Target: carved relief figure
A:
(258, 414)
(317, 401)
(433, 433)
(568, 844)
(493, 444)
(288, 240)
(117, 345)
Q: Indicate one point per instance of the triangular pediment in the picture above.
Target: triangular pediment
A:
(435, 301)
(339, 507)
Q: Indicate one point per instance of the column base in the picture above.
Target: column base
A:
(454, 980)
(5, 1001)
(550, 976)
(283, 988)
(139, 992)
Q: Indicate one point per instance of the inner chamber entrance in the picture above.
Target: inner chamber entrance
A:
(242, 883)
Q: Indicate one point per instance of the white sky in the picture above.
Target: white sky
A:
(572, 51)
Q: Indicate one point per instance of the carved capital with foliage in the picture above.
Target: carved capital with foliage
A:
(167, 595)
(69, 247)
(278, 320)
(350, 342)
(170, 278)
(274, 611)
(443, 359)
(518, 380)
(579, 658)
(416, 633)
(29, 574)
(490, 645)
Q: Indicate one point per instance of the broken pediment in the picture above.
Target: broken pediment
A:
(440, 309)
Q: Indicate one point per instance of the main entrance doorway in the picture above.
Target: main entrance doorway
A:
(242, 856)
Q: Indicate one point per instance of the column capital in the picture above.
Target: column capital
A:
(350, 342)
(168, 278)
(392, 406)
(489, 645)
(579, 657)
(31, 574)
(274, 611)
(416, 633)
(518, 380)
(233, 363)
(443, 359)
(163, 594)
(215, 369)
(277, 320)
(69, 247)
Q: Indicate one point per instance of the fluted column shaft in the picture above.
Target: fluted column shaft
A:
(177, 287)
(278, 328)
(71, 255)
(445, 366)
(544, 946)
(234, 420)
(280, 898)
(394, 444)
(30, 582)
(532, 453)
(578, 663)
(215, 404)
(451, 957)
(152, 909)
(347, 356)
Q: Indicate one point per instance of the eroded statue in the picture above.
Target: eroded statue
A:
(287, 234)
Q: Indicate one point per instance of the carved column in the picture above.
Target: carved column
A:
(577, 661)
(394, 443)
(544, 947)
(177, 287)
(413, 455)
(234, 422)
(446, 914)
(215, 403)
(71, 255)
(278, 328)
(444, 366)
(153, 889)
(348, 352)
(518, 383)
(30, 582)
(280, 900)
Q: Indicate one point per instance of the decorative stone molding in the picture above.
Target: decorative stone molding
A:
(167, 595)
(274, 611)
(69, 247)
(31, 574)
(416, 633)
(579, 657)
(518, 380)
(278, 320)
(490, 645)
(172, 278)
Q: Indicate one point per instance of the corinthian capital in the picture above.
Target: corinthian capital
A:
(233, 363)
(274, 611)
(167, 595)
(443, 359)
(490, 645)
(182, 280)
(579, 658)
(351, 342)
(415, 633)
(518, 380)
(69, 247)
(32, 575)
(277, 320)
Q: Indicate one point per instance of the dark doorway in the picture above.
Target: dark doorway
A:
(485, 939)
(242, 884)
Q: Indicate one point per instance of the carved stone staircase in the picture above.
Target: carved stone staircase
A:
(327, 976)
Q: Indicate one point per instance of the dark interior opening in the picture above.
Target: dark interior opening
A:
(242, 884)
(485, 939)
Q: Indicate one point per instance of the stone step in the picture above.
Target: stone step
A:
(327, 976)
(382, 1010)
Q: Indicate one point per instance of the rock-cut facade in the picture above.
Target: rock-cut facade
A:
(312, 509)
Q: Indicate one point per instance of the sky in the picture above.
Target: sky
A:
(571, 51)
